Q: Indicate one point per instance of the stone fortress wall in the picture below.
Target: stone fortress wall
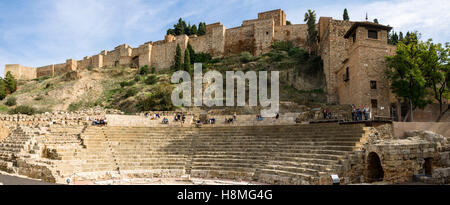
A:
(365, 58)
(255, 36)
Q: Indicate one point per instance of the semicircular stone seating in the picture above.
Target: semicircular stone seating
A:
(278, 154)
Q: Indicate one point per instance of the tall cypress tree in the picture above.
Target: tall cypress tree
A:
(178, 61)
(2, 89)
(346, 17)
(191, 52)
(187, 61)
(201, 29)
(11, 83)
(193, 29)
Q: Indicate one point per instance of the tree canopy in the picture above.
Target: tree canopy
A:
(419, 73)
(346, 17)
(182, 28)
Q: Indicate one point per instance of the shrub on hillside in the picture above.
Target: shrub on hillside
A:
(143, 70)
(151, 80)
(202, 58)
(23, 109)
(159, 100)
(11, 101)
(283, 45)
(153, 70)
(75, 106)
(246, 57)
(127, 83)
(131, 92)
(137, 78)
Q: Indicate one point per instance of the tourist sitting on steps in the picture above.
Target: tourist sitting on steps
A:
(277, 116)
(198, 124)
(228, 120)
(259, 117)
(165, 121)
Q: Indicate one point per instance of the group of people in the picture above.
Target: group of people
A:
(154, 117)
(231, 119)
(357, 113)
(327, 114)
(100, 122)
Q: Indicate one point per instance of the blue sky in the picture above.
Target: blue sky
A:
(37, 33)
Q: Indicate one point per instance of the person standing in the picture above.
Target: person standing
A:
(366, 112)
(353, 113)
(325, 113)
(358, 115)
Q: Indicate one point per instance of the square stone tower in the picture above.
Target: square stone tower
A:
(361, 80)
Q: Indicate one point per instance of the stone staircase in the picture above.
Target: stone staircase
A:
(277, 154)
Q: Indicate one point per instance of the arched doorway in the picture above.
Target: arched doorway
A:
(375, 170)
(135, 62)
(427, 166)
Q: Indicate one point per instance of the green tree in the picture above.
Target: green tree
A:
(346, 17)
(435, 67)
(201, 29)
(178, 60)
(375, 21)
(3, 91)
(187, 60)
(180, 27)
(310, 19)
(405, 74)
(288, 23)
(194, 29)
(11, 83)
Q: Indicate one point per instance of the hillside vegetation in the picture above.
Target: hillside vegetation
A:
(134, 90)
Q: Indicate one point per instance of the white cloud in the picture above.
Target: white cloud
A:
(428, 17)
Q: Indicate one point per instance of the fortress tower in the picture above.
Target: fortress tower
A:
(361, 78)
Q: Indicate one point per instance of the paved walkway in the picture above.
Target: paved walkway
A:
(13, 180)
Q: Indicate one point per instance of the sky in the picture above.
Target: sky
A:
(38, 33)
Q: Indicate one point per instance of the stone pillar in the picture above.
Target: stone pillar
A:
(97, 61)
(71, 65)
(125, 55)
(145, 57)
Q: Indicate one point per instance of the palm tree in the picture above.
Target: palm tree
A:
(310, 19)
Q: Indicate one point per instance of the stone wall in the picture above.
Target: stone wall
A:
(21, 72)
(254, 36)
(238, 40)
(296, 33)
(442, 128)
(333, 50)
(366, 63)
